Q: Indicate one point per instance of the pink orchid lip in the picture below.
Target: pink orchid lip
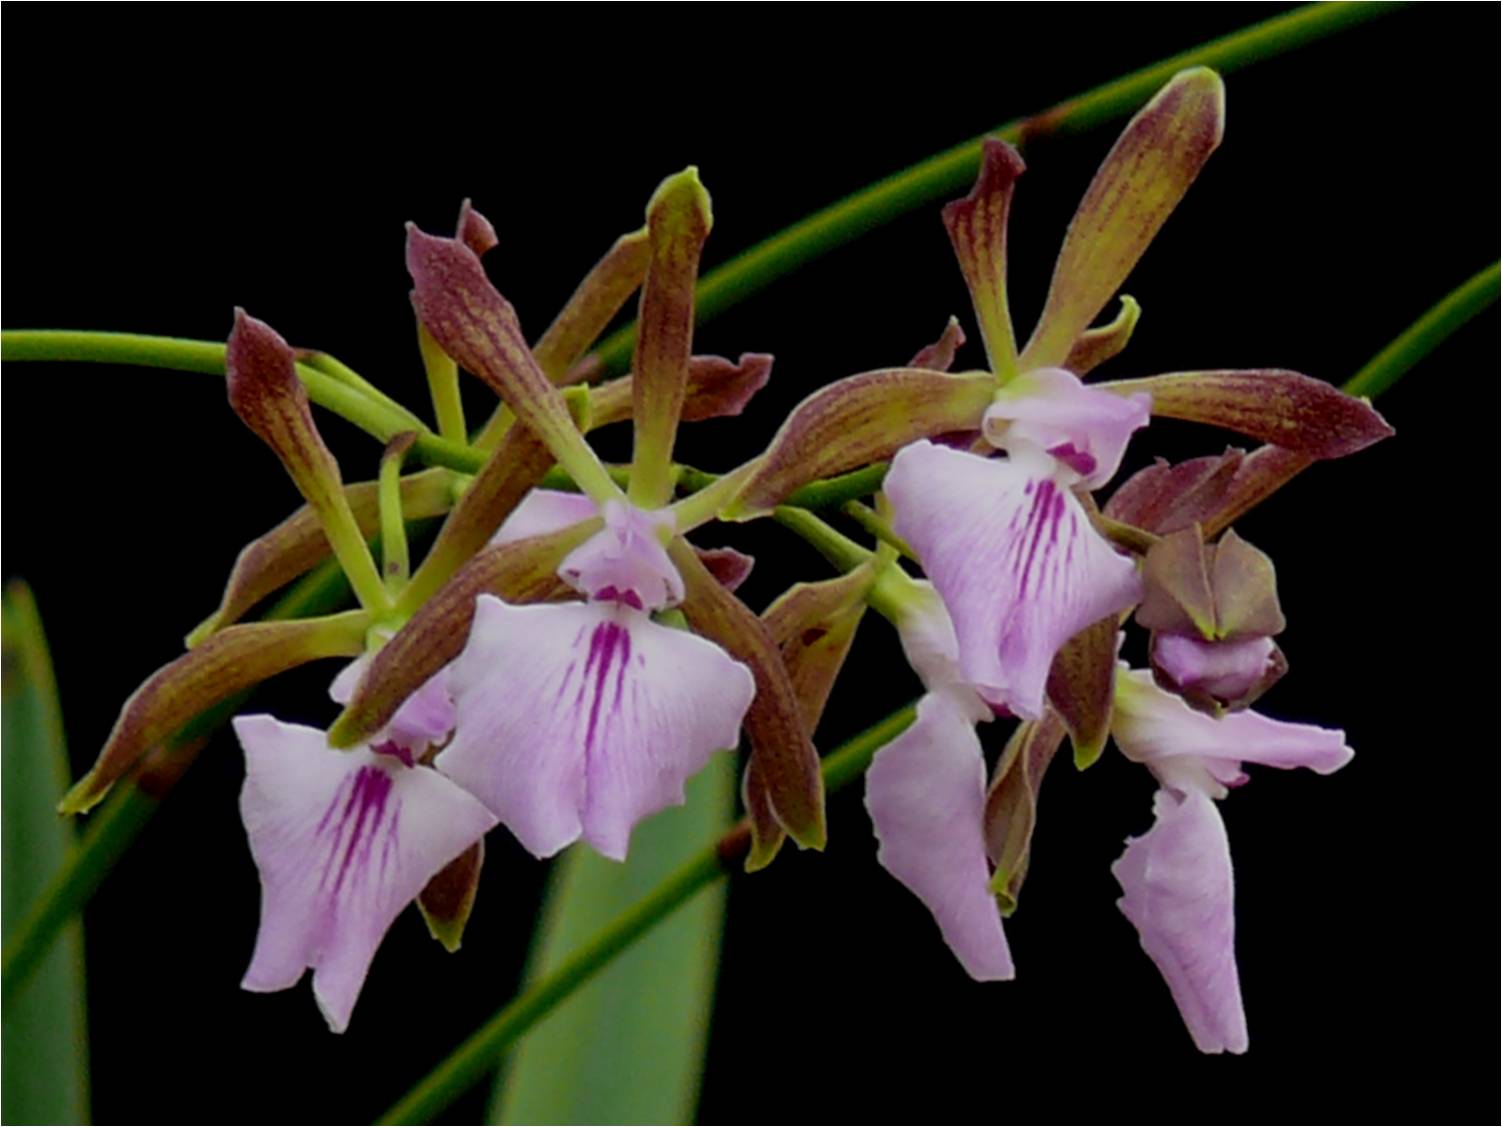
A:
(344, 842)
(580, 719)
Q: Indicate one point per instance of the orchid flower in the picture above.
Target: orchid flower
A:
(345, 840)
(1007, 543)
(1176, 878)
(579, 719)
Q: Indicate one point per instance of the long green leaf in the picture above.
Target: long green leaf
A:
(629, 1046)
(45, 1038)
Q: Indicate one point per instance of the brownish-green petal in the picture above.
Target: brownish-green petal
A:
(474, 230)
(977, 227)
(1081, 687)
(814, 624)
(475, 325)
(717, 388)
(678, 222)
(1143, 178)
(229, 662)
(1164, 498)
(261, 378)
(767, 834)
(1097, 346)
(1246, 590)
(1261, 474)
(729, 567)
(298, 544)
(449, 897)
(520, 571)
(1012, 803)
(594, 303)
(1284, 408)
(1177, 595)
(785, 756)
(859, 420)
(940, 355)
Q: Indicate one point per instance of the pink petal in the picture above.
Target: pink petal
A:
(625, 561)
(1015, 560)
(343, 841)
(1157, 728)
(1224, 670)
(1177, 891)
(542, 511)
(926, 793)
(1050, 411)
(582, 719)
(427, 716)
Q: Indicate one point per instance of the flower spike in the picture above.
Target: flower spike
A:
(678, 222)
(1144, 176)
(977, 227)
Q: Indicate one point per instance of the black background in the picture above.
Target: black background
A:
(161, 172)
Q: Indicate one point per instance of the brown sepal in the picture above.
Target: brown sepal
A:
(1012, 803)
(1082, 687)
(447, 900)
(780, 746)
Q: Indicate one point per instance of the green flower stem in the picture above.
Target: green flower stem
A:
(127, 811)
(1426, 334)
(396, 564)
(443, 387)
(327, 391)
(477, 1056)
(952, 170)
(328, 365)
(869, 519)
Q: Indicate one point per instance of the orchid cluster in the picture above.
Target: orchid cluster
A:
(562, 659)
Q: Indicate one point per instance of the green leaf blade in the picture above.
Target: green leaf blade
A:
(628, 1047)
(45, 1036)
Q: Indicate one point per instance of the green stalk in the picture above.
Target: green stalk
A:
(1425, 335)
(329, 392)
(127, 811)
(478, 1055)
(952, 170)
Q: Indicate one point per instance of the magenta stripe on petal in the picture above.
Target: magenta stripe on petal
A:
(1014, 558)
(578, 720)
(343, 842)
